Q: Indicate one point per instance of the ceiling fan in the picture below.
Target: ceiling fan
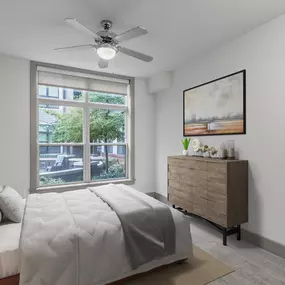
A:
(107, 43)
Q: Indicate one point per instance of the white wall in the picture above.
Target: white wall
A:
(15, 123)
(144, 138)
(262, 53)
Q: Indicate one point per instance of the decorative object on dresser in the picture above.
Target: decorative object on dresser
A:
(231, 149)
(216, 107)
(186, 142)
(203, 150)
(216, 190)
(196, 147)
(222, 151)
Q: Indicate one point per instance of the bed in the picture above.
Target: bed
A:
(9, 253)
(9, 249)
(77, 238)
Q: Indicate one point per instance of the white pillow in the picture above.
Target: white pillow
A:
(11, 204)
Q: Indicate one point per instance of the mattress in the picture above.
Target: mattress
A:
(9, 249)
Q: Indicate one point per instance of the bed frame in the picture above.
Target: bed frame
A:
(15, 280)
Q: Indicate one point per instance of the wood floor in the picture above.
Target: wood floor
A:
(252, 264)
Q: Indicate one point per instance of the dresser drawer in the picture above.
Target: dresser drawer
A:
(196, 178)
(199, 196)
(180, 202)
(199, 210)
(217, 167)
(173, 176)
(217, 203)
(187, 163)
(217, 187)
(199, 165)
(179, 194)
(216, 197)
(177, 170)
(217, 177)
(179, 185)
(217, 218)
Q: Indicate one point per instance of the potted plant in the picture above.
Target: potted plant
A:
(186, 143)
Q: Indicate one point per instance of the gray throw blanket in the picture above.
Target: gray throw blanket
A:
(148, 225)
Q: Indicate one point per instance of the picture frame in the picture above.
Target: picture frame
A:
(217, 107)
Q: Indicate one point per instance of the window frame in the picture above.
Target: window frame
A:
(47, 95)
(35, 145)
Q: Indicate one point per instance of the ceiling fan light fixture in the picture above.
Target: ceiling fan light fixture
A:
(106, 51)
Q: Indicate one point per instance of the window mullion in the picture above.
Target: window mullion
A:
(107, 106)
(60, 144)
(86, 141)
(58, 102)
(108, 144)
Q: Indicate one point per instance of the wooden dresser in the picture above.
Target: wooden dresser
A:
(216, 190)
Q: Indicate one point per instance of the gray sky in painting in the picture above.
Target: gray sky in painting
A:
(220, 98)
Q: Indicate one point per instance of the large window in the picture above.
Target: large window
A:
(83, 129)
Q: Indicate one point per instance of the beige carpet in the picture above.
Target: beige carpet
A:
(200, 270)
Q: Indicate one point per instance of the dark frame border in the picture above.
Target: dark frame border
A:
(244, 105)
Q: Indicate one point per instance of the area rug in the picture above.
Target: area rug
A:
(200, 270)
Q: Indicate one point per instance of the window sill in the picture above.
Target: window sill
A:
(77, 186)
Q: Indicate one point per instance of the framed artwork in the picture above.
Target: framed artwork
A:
(217, 107)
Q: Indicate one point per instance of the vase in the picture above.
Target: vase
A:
(185, 152)
(199, 153)
(206, 154)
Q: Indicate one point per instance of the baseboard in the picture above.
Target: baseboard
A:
(151, 194)
(262, 242)
(265, 243)
(160, 197)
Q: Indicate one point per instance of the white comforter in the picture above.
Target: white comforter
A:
(74, 238)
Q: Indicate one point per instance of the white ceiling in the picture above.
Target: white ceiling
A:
(178, 29)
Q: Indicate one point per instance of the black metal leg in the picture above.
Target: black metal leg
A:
(238, 232)
(225, 231)
(225, 236)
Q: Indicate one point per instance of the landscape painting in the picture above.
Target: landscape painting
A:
(216, 107)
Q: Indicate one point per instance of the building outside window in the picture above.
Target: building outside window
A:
(83, 128)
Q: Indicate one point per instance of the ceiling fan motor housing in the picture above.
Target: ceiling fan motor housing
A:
(106, 25)
(106, 36)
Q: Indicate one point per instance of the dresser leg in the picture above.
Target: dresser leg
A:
(173, 206)
(224, 236)
(238, 232)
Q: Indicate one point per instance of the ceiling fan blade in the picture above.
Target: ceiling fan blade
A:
(74, 47)
(136, 32)
(136, 54)
(75, 24)
(103, 63)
